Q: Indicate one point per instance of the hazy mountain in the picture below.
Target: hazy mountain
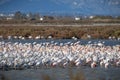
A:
(85, 7)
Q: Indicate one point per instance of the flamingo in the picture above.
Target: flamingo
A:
(118, 63)
(93, 64)
(107, 65)
(54, 64)
(16, 54)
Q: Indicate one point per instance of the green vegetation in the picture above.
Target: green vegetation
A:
(98, 32)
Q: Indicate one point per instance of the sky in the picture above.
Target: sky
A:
(85, 7)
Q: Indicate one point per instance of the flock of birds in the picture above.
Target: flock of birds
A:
(49, 37)
(17, 55)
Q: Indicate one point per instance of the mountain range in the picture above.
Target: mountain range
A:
(83, 7)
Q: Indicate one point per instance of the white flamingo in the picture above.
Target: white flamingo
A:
(93, 64)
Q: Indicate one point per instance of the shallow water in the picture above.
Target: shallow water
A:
(63, 73)
(58, 41)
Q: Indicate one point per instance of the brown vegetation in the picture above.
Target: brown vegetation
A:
(98, 32)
